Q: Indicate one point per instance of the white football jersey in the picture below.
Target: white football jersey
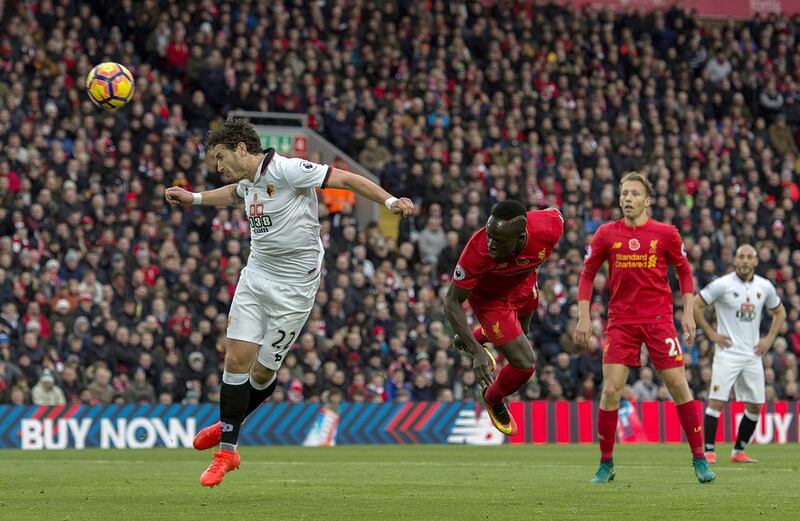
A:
(282, 209)
(739, 309)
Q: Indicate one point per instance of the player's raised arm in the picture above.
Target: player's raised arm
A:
(339, 178)
(595, 257)
(676, 253)
(224, 196)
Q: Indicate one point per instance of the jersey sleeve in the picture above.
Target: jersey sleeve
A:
(469, 269)
(301, 173)
(556, 225)
(596, 255)
(714, 290)
(772, 300)
(241, 190)
(676, 254)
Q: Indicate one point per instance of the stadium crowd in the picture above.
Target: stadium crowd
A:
(107, 294)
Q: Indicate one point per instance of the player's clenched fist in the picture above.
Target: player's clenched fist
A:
(177, 195)
(403, 206)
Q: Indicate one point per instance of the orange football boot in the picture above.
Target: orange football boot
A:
(224, 462)
(208, 437)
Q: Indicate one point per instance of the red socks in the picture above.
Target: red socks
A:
(607, 433)
(479, 335)
(508, 381)
(690, 421)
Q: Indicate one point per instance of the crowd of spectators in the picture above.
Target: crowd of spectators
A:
(107, 294)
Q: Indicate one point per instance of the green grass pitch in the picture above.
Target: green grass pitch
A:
(397, 482)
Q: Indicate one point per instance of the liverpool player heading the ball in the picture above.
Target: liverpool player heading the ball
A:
(638, 250)
(497, 274)
(277, 288)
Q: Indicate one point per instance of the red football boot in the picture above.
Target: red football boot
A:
(208, 437)
(224, 462)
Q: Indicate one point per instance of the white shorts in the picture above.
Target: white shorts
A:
(270, 313)
(744, 373)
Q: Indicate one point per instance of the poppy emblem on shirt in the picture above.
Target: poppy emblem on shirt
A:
(633, 244)
(270, 190)
(255, 197)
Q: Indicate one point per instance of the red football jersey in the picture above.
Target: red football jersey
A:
(638, 258)
(491, 279)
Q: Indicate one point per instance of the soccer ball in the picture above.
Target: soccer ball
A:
(110, 85)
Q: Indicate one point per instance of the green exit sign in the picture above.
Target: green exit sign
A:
(286, 144)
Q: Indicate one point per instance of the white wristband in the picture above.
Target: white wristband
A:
(198, 198)
(389, 202)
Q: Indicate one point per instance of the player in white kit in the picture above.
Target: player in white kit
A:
(739, 298)
(277, 288)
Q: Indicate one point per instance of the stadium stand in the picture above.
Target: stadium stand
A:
(109, 295)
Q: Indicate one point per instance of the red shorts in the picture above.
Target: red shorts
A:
(499, 319)
(623, 345)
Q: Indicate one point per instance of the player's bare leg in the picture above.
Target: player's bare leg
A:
(233, 403)
(519, 369)
(710, 425)
(752, 412)
(262, 385)
(675, 380)
(614, 378)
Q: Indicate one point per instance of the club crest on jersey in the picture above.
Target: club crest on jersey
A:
(498, 332)
(458, 274)
(543, 254)
(270, 190)
(654, 246)
(307, 166)
(633, 244)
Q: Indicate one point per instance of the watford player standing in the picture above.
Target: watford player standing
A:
(638, 250)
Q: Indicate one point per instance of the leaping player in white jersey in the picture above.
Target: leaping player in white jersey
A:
(740, 298)
(277, 288)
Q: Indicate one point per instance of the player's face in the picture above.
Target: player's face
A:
(503, 238)
(745, 262)
(228, 162)
(633, 199)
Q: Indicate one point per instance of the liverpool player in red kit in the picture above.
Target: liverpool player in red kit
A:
(638, 249)
(497, 274)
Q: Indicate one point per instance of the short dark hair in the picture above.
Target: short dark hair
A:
(232, 132)
(507, 210)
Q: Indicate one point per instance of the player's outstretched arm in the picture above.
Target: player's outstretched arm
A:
(700, 318)
(225, 196)
(362, 186)
(454, 311)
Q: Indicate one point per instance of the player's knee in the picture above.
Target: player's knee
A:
(261, 374)
(612, 391)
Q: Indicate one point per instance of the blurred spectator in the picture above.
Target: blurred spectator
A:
(46, 392)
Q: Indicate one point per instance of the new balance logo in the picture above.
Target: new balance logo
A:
(227, 427)
(471, 429)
